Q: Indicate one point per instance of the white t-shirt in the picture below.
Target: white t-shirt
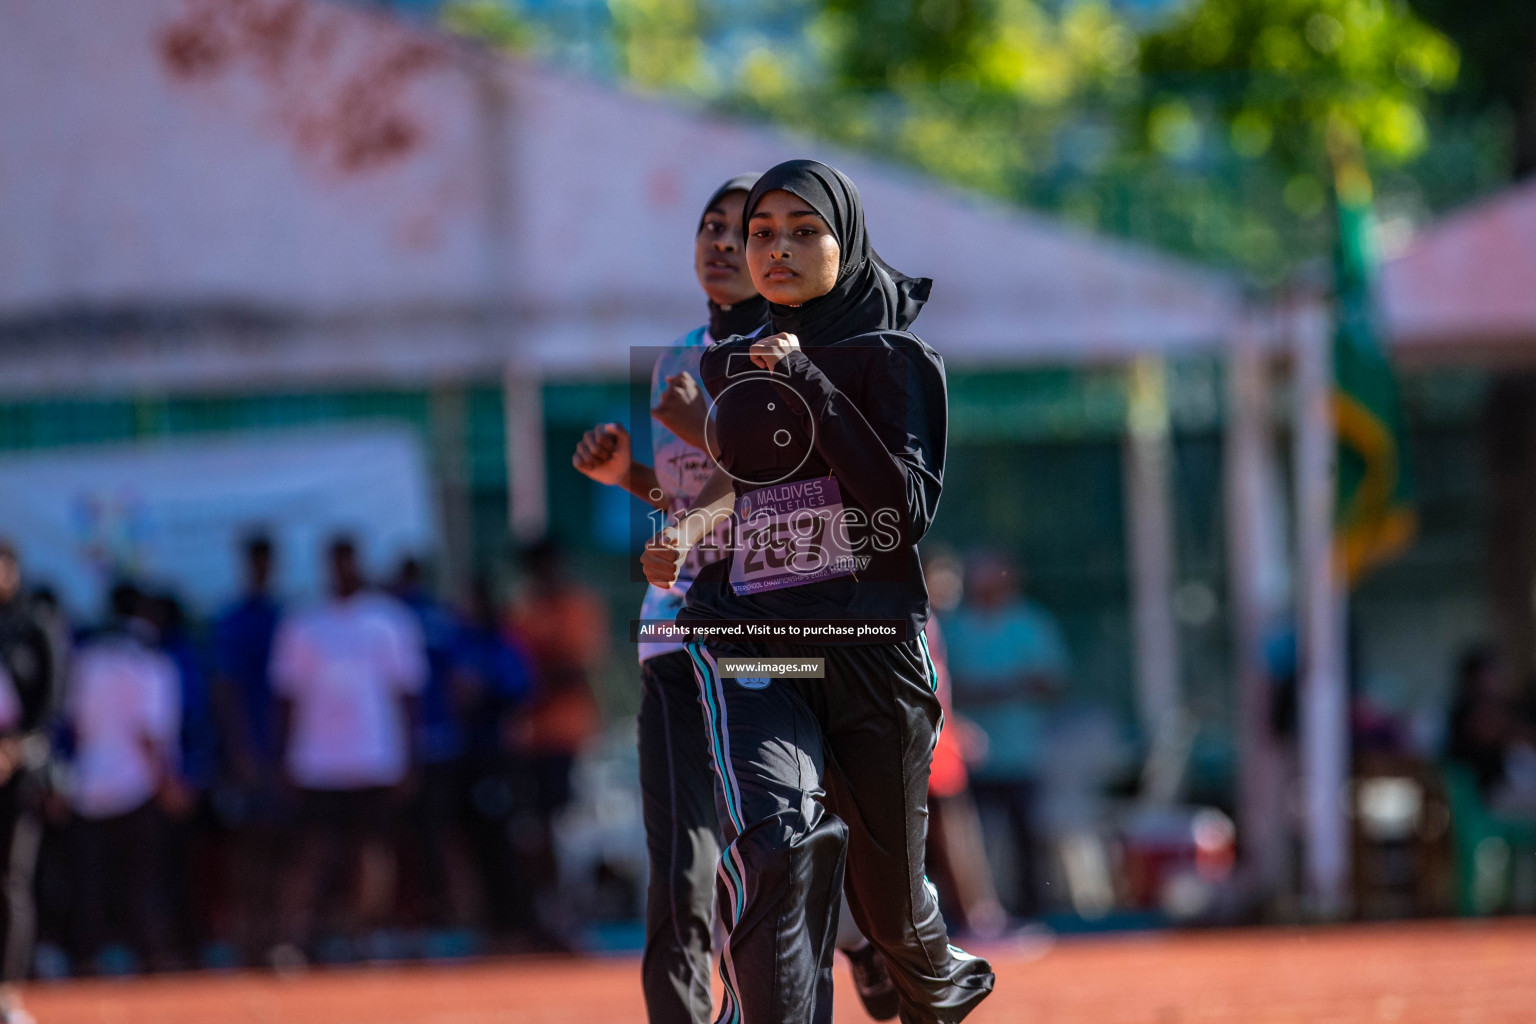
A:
(681, 470)
(346, 665)
(120, 692)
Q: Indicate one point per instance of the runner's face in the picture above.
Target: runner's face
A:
(717, 257)
(792, 252)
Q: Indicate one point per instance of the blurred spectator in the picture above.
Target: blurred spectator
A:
(199, 742)
(565, 627)
(124, 707)
(1376, 724)
(54, 858)
(249, 800)
(193, 842)
(436, 838)
(29, 687)
(1008, 664)
(492, 680)
(42, 606)
(1493, 734)
(493, 673)
(349, 670)
(956, 849)
(242, 646)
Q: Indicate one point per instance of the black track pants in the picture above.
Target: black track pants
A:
(682, 834)
(816, 773)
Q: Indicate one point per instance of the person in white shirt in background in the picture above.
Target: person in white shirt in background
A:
(347, 672)
(123, 705)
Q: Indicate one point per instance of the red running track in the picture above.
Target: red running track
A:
(1438, 973)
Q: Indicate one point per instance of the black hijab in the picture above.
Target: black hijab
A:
(869, 294)
(748, 315)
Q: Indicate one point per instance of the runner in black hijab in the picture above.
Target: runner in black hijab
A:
(837, 423)
(869, 295)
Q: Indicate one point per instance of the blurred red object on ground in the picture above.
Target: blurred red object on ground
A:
(1175, 856)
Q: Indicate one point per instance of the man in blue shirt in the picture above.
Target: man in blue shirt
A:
(1008, 664)
(249, 791)
(439, 795)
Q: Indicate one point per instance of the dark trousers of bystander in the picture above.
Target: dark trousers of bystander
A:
(1013, 800)
(345, 847)
(437, 848)
(118, 889)
(21, 833)
(492, 810)
(257, 819)
(256, 851)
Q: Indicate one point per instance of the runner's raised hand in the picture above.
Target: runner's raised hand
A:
(603, 453)
(682, 407)
(766, 352)
(662, 558)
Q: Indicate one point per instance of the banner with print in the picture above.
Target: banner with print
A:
(172, 514)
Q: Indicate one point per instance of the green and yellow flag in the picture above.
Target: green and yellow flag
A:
(1374, 519)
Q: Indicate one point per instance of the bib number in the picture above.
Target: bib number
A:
(789, 535)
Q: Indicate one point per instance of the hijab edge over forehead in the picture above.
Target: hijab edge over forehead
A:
(828, 192)
(738, 183)
(869, 294)
(746, 316)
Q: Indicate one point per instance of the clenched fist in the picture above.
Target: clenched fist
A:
(682, 407)
(662, 559)
(766, 352)
(603, 454)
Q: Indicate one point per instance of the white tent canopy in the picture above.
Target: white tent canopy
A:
(338, 198)
(1465, 289)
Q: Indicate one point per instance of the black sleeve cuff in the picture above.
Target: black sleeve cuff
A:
(807, 381)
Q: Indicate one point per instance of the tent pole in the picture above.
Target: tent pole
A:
(1149, 517)
(449, 432)
(1324, 699)
(527, 481)
(1255, 561)
(522, 382)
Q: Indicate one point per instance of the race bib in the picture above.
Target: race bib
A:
(789, 535)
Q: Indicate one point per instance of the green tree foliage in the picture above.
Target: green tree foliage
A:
(994, 95)
(1250, 87)
(892, 45)
(494, 23)
(661, 43)
(968, 50)
(1198, 130)
(1276, 73)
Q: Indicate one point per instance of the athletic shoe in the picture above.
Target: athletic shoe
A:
(873, 980)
